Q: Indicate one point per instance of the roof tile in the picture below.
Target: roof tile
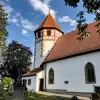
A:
(49, 22)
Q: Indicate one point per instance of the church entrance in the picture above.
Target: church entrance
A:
(41, 84)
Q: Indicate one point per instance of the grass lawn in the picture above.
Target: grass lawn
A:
(41, 97)
(35, 97)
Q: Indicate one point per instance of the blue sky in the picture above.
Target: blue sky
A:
(26, 15)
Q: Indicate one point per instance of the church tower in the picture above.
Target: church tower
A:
(46, 36)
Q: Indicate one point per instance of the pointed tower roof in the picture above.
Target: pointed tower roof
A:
(49, 22)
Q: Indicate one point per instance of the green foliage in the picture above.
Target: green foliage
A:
(6, 81)
(27, 94)
(82, 26)
(74, 98)
(72, 3)
(29, 98)
(17, 57)
(3, 31)
(38, 95)
(91, 7)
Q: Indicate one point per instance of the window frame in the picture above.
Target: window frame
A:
(92, 79)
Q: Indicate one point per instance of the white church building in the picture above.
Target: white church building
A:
(61, 62)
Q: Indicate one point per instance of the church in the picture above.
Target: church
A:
(61, 62)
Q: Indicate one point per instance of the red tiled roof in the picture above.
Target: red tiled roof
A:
(32, 72)
(49, 22)
(68, 45)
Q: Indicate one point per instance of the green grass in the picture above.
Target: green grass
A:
(35, 97)
(41, 97)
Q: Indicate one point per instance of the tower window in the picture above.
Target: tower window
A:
(39, 34)
(51, 76)
(90, 73)
(48, 32)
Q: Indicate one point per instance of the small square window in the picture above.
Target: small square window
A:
(48, 32)
(29, 81)
(66, 82)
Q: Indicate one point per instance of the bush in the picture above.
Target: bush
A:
(5, 82)
(74, 98)
(96, 95)
(27, 94)
(97, 89)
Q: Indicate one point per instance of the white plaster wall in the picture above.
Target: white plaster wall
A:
(43, 47)
(38, 57)
(32, 66)
(50, 40)
(72, 70)
(33, 82)
(47, 46)
(58, 34)
(38, 77)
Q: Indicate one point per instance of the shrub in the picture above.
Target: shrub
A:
(27, 94)
(96, 95)
(5, 82)
(97, 89)
(74, 98)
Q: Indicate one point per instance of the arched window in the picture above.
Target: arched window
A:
(51, 76)
(90, 73)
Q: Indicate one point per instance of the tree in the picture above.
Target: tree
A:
(17, 57)
(91, 7)
(3, 31)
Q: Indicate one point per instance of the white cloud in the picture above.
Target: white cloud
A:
(17, 24)
(26, 24)
(25, 32)
(8, 8)
(38, 5)
(47, 1)
(17, 19)
(67, 19)
(18, 14)
(13, 20)
(7, 0)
